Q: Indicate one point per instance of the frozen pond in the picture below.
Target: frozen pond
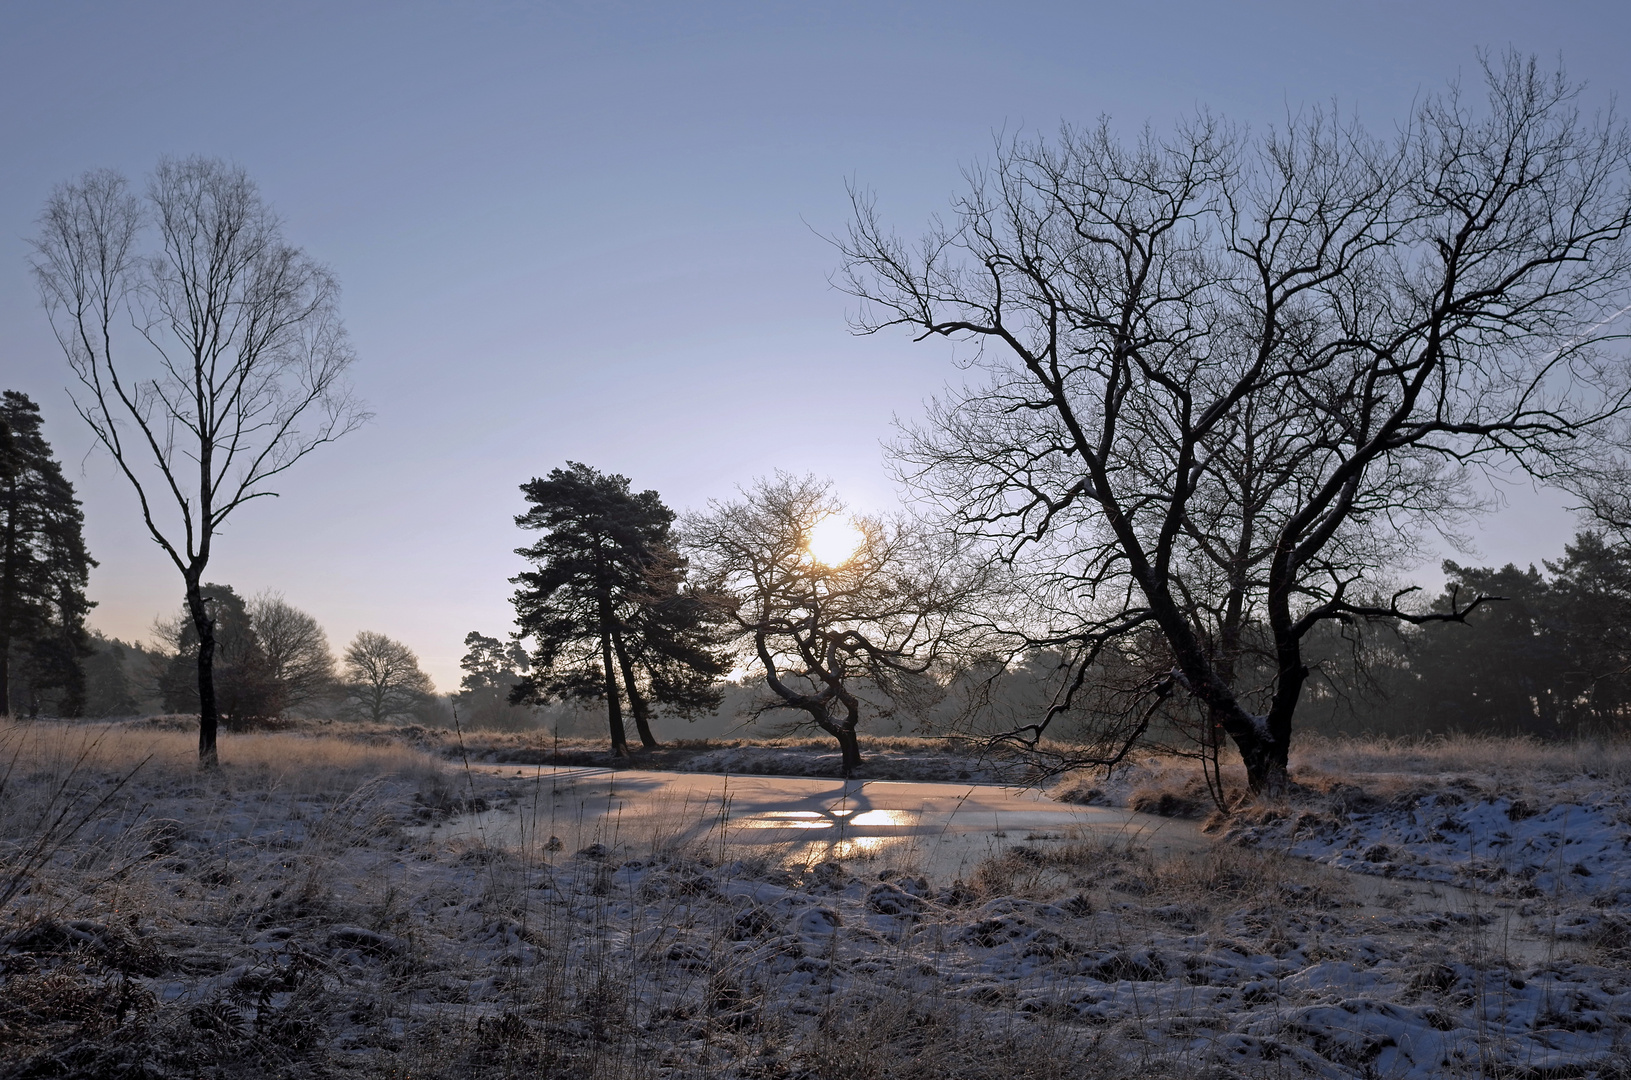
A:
(938, 829)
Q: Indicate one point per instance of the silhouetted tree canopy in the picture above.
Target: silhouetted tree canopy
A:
(298, 659)
(44, 568)
(492, 670)
(1224, 382)
(491, 665)
(1552, 660)
(382, 678)
(885, 617)
(607, 608)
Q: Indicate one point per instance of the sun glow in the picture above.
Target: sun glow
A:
(834, 539)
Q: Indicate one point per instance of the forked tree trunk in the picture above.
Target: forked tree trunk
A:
(1265, 741)
(637, 700)
(1265, 763)
(849, 746)
(614, 707)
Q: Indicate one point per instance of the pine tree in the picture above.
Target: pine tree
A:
(1590, 597)
(607, 608)
(492, 668)
(44, 569)
(1503, 672)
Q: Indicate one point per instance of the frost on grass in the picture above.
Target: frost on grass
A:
(258, 923)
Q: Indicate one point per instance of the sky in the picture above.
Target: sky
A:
(596, 232)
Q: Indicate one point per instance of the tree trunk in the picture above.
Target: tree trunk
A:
(1265, 763)
(614, 708)
(850, 746)
(208, 719)
(637, 701)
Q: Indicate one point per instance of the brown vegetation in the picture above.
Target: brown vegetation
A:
(312, 907)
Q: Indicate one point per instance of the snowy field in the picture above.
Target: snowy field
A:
(325, 908)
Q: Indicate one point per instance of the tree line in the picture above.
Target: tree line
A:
(1551, 660)
(270, 658)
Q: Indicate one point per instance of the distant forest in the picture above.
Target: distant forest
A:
(1551, 659)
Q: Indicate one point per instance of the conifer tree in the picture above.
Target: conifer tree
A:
(607, 607)
(492, 668)
(44, 568)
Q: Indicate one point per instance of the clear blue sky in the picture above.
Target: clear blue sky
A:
(590, 232)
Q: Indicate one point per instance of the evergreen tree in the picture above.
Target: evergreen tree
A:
(490, 665)
(44, 568)
(673, 641)
(607, 608)
(1591, 615)
(122, 678)
(1503, 672)
(492, 669)
(1550, 660)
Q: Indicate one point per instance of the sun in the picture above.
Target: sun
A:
(834, 539)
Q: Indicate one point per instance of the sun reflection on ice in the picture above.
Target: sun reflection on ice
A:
(787, 819)
(882, 817)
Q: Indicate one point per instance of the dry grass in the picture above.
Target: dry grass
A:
(283, 916)
(1103, 870)
(1501, 759)
(294, 760)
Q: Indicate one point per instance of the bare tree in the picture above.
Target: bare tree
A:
(1230, 381)
(209, 363)
(296, 648)
(383, 678)
(823, 627)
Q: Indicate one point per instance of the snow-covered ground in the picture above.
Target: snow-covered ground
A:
(1510, 847)
(1512, 819)
(295, 918)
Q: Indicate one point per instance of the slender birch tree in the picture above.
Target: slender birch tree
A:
(209, 352)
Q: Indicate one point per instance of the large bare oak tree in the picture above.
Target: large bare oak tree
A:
(1230, 380)
(211, 358)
